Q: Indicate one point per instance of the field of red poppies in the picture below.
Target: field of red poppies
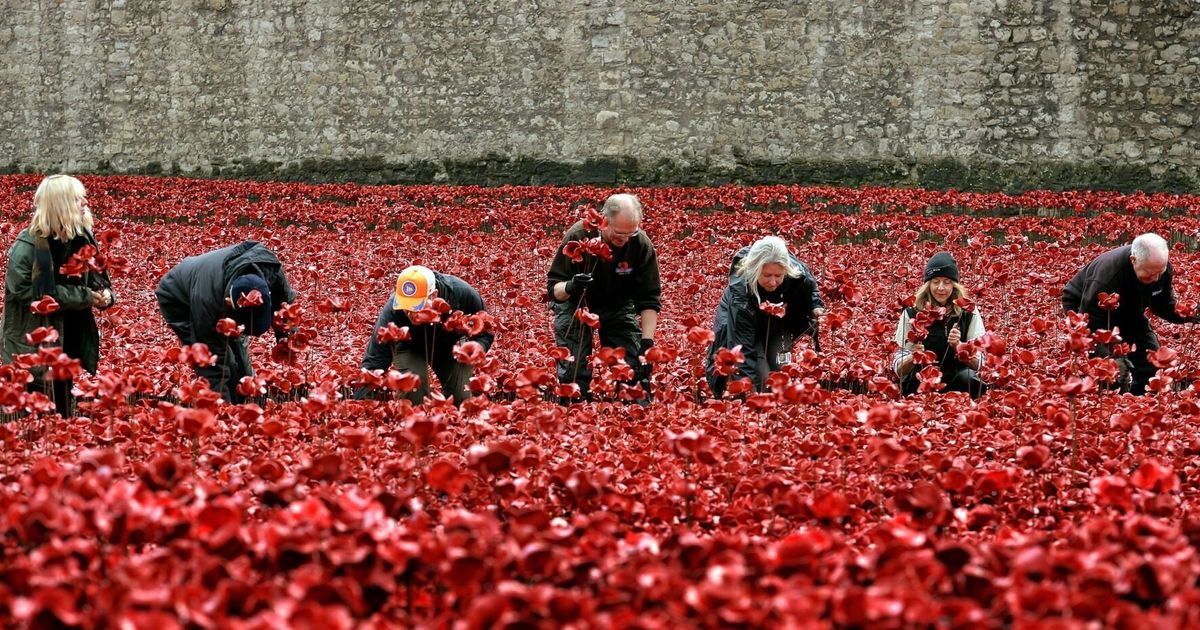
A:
(827, 502)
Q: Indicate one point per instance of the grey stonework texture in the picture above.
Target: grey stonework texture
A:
(447, 90)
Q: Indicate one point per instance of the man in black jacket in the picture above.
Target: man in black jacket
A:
(1141, 275)
(243, 282)
(424, 344)
(614, 274)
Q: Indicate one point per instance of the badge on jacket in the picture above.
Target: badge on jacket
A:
(623, 268)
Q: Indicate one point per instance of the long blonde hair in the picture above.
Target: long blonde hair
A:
(56, 209)
(765, 251)
(924, 298)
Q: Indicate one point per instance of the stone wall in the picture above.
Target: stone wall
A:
(606, 90)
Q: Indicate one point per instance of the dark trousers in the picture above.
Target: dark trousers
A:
(232, 364)
(453, 375)
(1137, 365)
(58, 391)
(618, 329)
(770, 357)
(962, 379)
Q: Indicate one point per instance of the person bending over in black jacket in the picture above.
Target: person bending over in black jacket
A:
(428, 339)
(1140, 276)
(243, 282)
(771, 299)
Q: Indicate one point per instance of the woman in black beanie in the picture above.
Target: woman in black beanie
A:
(938, 323)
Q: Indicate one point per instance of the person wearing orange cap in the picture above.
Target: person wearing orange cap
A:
(430, 337)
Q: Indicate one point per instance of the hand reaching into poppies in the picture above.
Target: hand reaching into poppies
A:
(646, 368)
(101, 299)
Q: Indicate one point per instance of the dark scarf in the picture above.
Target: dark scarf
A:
(46, 268)
(43, 267)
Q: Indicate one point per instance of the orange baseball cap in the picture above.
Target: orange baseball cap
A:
(413, 287)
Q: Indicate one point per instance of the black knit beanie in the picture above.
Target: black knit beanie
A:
(941, 265)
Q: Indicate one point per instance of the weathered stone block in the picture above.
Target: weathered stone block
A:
(1173, 53)
(607, 119)
(1164, 133)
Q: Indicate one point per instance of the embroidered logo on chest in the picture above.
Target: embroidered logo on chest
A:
(623, 268)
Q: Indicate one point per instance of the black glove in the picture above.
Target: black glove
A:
(645, 368)
(578, 284)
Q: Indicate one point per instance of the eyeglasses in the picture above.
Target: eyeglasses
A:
(616, 234)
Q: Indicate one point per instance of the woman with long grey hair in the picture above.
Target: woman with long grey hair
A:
(770, 300)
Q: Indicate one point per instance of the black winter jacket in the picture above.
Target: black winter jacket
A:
(630, 277)
(1112, 272)
(739, 321)
(192, 294)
